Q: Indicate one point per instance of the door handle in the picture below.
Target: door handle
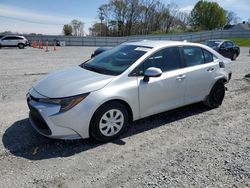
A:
(210, 69)
(180, 77)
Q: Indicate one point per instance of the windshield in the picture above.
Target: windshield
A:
(116, 60)
(212, 43)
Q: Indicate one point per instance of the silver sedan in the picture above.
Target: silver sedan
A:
(126, 83)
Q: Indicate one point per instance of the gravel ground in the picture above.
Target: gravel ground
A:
(189, 147)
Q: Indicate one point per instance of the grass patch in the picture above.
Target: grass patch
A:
(241, 41)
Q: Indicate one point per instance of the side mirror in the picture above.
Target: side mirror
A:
(152, 72)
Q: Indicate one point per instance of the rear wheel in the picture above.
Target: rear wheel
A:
(109, 121)
(20, 46)
(216, 95)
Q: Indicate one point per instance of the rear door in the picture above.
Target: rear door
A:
(164, 92)
(16, 41)
(200, 70)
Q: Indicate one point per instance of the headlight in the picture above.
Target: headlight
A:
(65, 103)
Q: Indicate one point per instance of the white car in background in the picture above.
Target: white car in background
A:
(126, 83)
(13, 41)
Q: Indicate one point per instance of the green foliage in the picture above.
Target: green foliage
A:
(171, 31)
(98, 29)
(67, 30)
(207, 15)
(241, 41)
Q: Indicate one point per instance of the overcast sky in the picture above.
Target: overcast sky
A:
(49, 16)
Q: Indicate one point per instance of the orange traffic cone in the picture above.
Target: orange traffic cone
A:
(47, 46)
(41, 44)
(35, 44)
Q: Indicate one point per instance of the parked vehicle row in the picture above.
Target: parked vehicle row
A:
(126, 83)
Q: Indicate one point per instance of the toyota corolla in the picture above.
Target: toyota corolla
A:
(126, 83)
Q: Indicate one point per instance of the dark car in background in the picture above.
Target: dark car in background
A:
(99, 50)
(226, 48)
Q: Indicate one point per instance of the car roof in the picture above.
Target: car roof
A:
(13, 36)
(159, 43)
(219, 40)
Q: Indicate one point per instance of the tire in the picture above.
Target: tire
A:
(216, 95)
(0, 46)
(109, 121)
(234, 56)
(20, 46)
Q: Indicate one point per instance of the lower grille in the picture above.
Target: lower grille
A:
(38, 120)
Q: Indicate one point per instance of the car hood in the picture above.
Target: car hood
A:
(71, 81)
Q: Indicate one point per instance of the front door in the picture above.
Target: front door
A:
(164, 92)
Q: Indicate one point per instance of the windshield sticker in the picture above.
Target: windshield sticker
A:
(142, 49)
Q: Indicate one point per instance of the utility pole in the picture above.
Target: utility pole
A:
(101, 17)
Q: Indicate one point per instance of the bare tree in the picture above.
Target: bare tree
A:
(231, 16)
(133, 17)
(78, 27)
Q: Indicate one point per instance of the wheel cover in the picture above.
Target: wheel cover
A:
(111, 122)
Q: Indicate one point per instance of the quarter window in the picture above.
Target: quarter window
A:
(228, 44)
(166, 59)
(208, 57)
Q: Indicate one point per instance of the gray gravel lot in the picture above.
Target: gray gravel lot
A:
(189, 147)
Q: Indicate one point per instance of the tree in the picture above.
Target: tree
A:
(207, 15)
(230, 16)
(77, 27)
(119, 9)
(104, 14)
(98, 29)
(67, 30)
(136, 17)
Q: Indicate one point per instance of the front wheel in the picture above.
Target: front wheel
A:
(108, 121)
(216, 95)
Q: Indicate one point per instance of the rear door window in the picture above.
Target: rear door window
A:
(193, 55)
(17, 38)
(229, 44)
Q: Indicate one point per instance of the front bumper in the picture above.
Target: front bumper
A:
(48, 121)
